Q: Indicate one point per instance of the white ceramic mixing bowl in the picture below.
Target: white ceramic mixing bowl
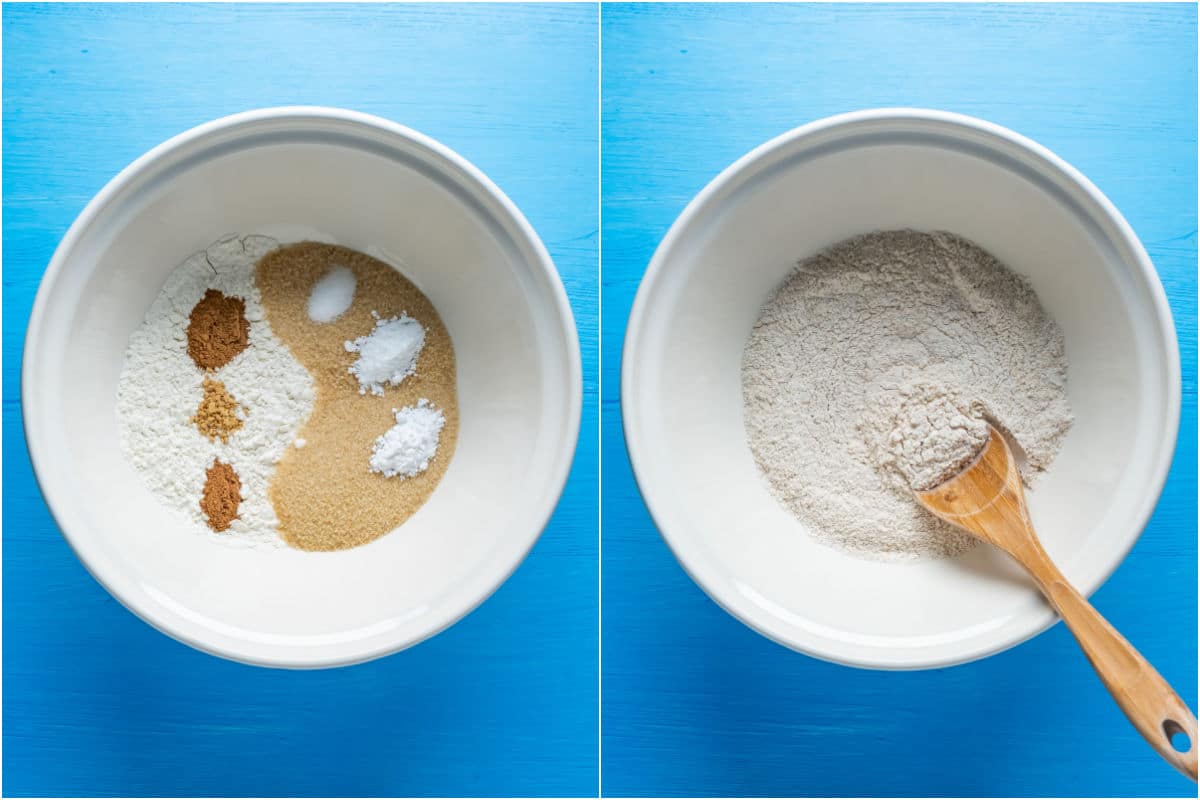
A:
(374, 186)
(788, 199)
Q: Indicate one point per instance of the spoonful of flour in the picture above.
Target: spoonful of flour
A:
(932, 437)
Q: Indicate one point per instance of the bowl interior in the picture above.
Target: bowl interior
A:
(683, 402)
(404, 201)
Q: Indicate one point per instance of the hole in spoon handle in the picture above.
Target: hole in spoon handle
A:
(1177, 736)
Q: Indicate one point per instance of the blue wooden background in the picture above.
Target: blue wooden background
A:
(95, 701)
(693, 701)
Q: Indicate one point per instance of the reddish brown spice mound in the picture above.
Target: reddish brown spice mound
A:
(222, 496)
(217, 330)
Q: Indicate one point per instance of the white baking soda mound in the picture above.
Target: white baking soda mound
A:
(388, 354)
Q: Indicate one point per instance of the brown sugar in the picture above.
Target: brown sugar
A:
(217, 415)
(222, 496)
(217, 330)
(325, 496)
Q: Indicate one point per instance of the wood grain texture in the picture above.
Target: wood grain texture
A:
(98, 703)
(695, 703)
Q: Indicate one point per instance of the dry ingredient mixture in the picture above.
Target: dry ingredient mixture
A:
(929, 435)
(870, 372)
(212, 402)
(388, 350)
(205, 344)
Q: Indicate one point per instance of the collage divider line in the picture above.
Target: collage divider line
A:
(599, 400)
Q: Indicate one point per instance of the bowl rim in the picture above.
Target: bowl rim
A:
(153, 611)
(695, 564)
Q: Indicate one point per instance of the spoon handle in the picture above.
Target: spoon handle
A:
(1149, 701)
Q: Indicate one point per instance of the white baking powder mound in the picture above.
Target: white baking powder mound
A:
(407, 447)
(160, 389)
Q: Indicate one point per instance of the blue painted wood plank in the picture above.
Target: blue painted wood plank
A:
(95, 701)
(694, 703)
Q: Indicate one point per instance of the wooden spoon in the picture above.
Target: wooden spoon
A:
(987, 501)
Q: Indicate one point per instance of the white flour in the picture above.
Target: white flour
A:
(871, 366)
(160, 388)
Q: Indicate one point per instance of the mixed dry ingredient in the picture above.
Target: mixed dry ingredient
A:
(246, 361)
(927, 437)
(871, 371)
(326, 493)
(161, 395)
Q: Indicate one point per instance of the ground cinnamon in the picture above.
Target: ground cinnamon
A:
(222, 495)
(217, 330)
(217, 415)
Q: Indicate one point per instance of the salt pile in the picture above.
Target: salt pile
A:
(331, 295)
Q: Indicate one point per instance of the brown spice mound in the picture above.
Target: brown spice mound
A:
(325, 496)
(216, 416)
(217, 330)
(222, 495)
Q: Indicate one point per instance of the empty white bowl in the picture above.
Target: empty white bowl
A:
(796, 195)
(372, 185)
